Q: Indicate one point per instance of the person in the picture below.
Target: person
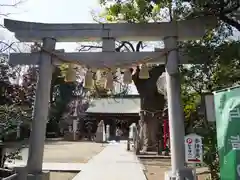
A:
(118, 134)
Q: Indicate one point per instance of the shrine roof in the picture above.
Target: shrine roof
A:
(119, 105)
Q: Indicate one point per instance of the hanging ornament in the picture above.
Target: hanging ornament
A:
(109, 81)
(127, 76)
(144, 73)
(118, 72)
(88, 82)
(113, 70)
(98, 75)
(71, 73)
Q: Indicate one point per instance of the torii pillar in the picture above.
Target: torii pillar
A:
(175, 110)
(40, 112)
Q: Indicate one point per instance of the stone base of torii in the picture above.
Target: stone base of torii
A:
(49, 34)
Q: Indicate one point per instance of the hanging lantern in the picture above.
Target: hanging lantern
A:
(71, 73)
(109, 81)
(144, 73)
(127, 77)
(88, 82)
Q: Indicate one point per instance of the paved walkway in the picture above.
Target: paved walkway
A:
(113, 163)
(47, 166)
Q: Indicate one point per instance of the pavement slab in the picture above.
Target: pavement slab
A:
(114, 162)
(47, 166)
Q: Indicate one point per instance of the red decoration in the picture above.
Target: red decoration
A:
(165, 133)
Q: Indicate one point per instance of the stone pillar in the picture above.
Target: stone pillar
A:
(75, 129)
(133, 132)
(145, 135)
(175, 110)
(18, 130)
(141, 131)
(130, 134)
(107, 132)
(100, 134)
(113, 129)
(41, 107)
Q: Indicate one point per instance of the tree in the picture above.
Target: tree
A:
(152, 102)
(62, 98)
(144, 10)
(225, 10)
(10, 91)
(11, 112)
(220, 70)
(219, 56)
(11, 117)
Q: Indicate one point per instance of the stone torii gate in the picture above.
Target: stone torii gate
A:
(49, 34)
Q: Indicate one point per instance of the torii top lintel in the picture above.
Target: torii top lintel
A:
(184, 30)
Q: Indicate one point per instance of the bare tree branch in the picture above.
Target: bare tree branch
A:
(13, 4)
(7, 46)
(88, 47)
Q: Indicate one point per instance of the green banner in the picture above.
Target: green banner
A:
(227, 110)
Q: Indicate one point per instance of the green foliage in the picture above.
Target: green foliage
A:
(156, 10)
(220, 69)
(225, 10)
(10, 117)
(132, 11)
(216, 56)
(28, 88)
(221, 63)
(61, 94)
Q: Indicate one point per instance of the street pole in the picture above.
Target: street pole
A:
(40, 112)
(175, 111)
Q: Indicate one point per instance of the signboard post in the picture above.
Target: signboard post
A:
(193, 150)
(227, 111)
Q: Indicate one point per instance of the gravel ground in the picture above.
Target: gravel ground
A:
(155, 169)
(62, 175)
(67, 152)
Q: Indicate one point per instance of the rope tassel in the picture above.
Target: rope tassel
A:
(98, 75)
(88, 83)
(71, 73)
(109, 81)
(127, 77)
(144, 73)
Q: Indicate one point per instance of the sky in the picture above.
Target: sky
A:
(52, 11)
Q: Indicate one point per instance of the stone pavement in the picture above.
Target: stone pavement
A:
(113, 163)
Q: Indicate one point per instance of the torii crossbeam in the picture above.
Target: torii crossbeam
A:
(184, 30)
(170, 32)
